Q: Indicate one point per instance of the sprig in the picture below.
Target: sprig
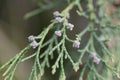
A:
(56, 44)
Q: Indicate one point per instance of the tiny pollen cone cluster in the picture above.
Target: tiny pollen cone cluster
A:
(76, 44)
(93, 55)
(57, 16)
(58, 33)
(32, 41)
(59, 19)
(70, 26)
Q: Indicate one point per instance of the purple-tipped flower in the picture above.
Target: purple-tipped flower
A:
(76, 44)
(34, 44)
(93, 54)
(31, 38)
(58, 19)
(58, 33)
(70, 26)
(96, 60)
(56, 14)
